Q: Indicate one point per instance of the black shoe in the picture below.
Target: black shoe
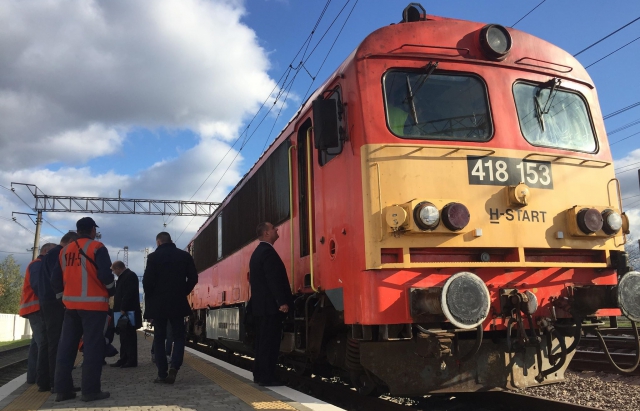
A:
(65, 396)
(171, 378)
(160, 380)
(129, 365)
(76, 389)
(43, 389)
(117, 364)
(273, 384)
(95, 397)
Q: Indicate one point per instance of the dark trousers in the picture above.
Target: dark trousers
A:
(267, 347)
(42, 358)
(168, 348)
(160, 335)
(53, 315)
(88, 325)
(129, 345)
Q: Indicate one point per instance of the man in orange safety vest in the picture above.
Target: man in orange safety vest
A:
(84, 281)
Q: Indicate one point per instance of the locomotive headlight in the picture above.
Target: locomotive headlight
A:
(426, 216)
(495, 41)
(589, 220)
(455, 216)
(611, 222)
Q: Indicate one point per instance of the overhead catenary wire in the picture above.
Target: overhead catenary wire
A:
(622, 110)
(613, 52)
(606, 37)
(283, 79)
(530, 11)
(622, 139)
(283, 91)
(626, 126)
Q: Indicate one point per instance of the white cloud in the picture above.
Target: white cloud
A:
(91, 70)
(77, 76)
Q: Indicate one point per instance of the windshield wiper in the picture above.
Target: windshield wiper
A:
(542, 109)
(429, 69)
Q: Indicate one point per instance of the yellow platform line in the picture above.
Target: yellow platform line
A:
(29, 400)
(257, 399)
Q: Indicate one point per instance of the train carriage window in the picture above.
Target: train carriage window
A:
(553, 117)
(440, 106)
(324, 156)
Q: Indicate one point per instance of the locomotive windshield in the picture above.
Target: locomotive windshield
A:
(553, 118)
(437, 106)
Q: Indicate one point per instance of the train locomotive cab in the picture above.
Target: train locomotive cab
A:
(436, 227)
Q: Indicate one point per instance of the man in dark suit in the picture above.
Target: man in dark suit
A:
(168, 279)
(271, 300)
(126, 299)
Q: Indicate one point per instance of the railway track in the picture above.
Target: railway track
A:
(341, 395)
(590, 357)
(13, 363)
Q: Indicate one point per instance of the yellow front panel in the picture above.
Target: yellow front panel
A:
(396, 174)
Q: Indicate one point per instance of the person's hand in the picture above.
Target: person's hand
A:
(284, 308)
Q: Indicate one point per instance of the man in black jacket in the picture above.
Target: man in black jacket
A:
(52, 308)
(271, 299)
(127, 299)
(168, 279)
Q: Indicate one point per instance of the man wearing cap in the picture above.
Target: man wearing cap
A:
(84, 281)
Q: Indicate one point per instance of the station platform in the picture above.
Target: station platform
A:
(203, 383)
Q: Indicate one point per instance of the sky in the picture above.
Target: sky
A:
(177, 99)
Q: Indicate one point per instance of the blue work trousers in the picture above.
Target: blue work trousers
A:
(160, 335)
(40, 362)
(88, 325)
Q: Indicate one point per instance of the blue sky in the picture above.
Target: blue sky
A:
(148, 97)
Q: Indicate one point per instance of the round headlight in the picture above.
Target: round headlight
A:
(589, 220)
(455, 216)
(426, 216)
(611, 222)
(465, 300)
(495, 41)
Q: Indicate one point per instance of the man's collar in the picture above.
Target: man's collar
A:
(266, 242)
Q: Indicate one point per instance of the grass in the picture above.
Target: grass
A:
(7, 345)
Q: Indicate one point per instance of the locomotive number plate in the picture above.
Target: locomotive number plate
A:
(505, 171)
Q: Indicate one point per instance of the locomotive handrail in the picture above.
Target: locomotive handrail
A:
(309, 168)
(454, 149)
(379, 200)
(427, 46)
(557, 157)
(292, 280)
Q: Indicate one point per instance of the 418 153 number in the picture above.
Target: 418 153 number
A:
(503, 171)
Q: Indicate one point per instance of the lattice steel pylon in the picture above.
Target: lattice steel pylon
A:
(105, 205)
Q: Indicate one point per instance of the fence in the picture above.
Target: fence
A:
(13, 327)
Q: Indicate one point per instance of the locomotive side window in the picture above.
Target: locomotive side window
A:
(437, 106)
(555, 118)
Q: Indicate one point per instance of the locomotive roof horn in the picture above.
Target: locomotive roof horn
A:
(414, 12)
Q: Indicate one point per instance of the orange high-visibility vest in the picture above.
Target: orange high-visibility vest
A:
(82, 288)
(29, 301)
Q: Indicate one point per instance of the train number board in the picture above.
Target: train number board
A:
(506, 171)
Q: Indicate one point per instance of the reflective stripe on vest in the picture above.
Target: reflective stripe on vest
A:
(29, 302)
(84, 297)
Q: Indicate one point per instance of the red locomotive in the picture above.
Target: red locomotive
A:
(448, 213)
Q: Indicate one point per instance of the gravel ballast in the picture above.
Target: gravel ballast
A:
(594, 389)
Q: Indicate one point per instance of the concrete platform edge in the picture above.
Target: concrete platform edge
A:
(303, 399)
